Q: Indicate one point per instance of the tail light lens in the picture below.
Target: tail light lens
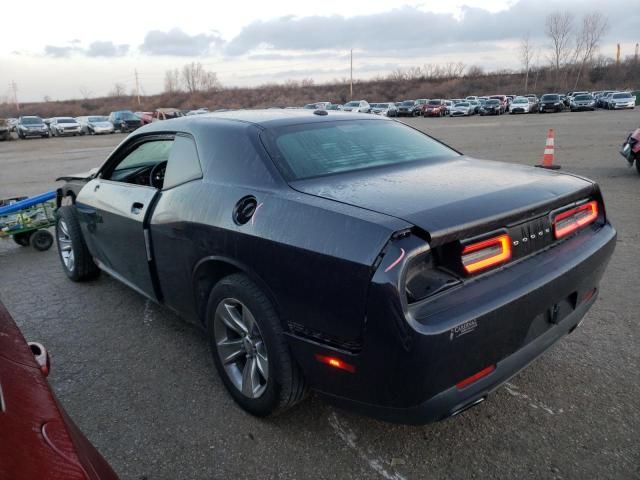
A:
(488, 253)
(574, 219)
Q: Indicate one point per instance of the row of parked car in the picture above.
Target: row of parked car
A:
(124, 121)
(489, 105)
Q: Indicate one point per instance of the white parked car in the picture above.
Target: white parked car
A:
(61, 126)
(520, 105)
(361, 106)
(462, 109)
(95, 125)
(317, 106)
(619, 100)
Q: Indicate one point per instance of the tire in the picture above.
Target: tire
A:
(22, 239)
(77, 263)
(283, 385)
(41, 240)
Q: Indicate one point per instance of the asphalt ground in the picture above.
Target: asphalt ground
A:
(141, 384)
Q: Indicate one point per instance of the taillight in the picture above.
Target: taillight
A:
(574, 219)
(486, 253)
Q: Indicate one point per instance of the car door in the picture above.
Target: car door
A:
(114, 209)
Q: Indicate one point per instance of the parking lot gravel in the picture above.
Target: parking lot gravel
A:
(141, 384)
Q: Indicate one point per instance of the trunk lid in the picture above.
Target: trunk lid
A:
(451, 198)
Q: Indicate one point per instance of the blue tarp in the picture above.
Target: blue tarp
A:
(27, 202)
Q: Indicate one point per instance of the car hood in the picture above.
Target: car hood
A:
(448, 196)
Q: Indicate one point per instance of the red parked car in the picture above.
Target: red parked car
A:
(38, 440)
(435, 108)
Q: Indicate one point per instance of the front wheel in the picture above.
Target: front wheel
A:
(72, 249)
(249, 348)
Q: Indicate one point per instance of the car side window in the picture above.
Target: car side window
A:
(184, 163)
(144, 156)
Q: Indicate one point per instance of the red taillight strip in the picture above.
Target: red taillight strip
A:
(568, 222)
(502, 254)
(475, 377)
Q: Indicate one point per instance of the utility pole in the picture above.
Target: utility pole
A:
(351, 83)
(618, 55)
(14, 90)
(636, 55)
(137, 87)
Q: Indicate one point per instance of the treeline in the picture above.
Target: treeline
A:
(603, 73)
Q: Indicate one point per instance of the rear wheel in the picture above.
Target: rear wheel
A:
(249, 348)
(72, 249)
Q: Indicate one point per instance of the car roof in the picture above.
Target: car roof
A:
(263, 118)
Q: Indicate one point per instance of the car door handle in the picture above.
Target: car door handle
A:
(136, 208)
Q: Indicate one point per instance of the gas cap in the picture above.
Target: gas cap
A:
(244, 210)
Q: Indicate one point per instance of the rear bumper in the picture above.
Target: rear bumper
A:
(453, 400)
(408, 369)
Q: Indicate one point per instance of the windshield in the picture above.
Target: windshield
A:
(621, 95)
(462, 104)
(316, 149)
(31, 121)
(98, 119)
(492, 102)
(408, 103)
(311, 106)
(583, 97)
(550, 98)
(434, 102)
(382, 105)
(66, 120)
(126, 116)
(521, 100)
(353, 104)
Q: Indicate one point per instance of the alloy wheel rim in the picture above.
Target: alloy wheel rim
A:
(241, 348)
(65, 245)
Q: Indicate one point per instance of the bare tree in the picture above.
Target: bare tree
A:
(197, 79)
(85, 92)
(558, 28)
(594, 26)
(172, 81)
(474, 71)
(119, 90)
(527, 52)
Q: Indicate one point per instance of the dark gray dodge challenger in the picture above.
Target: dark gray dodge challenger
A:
(345, 253)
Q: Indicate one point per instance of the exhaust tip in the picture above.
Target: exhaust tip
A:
(468, 406)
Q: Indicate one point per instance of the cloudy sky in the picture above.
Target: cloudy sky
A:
(70, 50)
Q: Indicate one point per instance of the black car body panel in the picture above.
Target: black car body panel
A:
(335, 255)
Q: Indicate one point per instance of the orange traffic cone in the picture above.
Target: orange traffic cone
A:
(547, 158)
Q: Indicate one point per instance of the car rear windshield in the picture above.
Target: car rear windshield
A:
(550, 98)
(621, 95)
(317, 149)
